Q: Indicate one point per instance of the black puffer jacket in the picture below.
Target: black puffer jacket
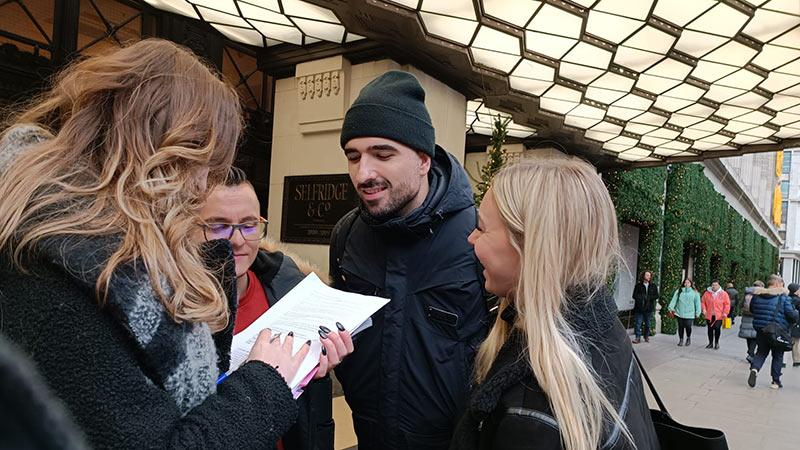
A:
(510, 411)
(313, 430)
(407, 380)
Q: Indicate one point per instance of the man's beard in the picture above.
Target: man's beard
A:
(396, 203)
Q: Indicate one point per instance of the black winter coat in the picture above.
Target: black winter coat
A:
(796, 326)
(130, 377)
(30, 417)
(407, 381)
(509, 411)
(733, 295)
(644, 299)
(313, 430)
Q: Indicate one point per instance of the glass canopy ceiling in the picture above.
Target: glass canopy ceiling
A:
(642, 81)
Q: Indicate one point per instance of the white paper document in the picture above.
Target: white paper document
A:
(310, 304)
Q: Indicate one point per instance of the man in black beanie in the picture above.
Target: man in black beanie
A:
(407, 381)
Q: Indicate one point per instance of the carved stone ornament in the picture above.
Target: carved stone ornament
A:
(318, 85)
(301, 87)
(326, 84)
(335, 82)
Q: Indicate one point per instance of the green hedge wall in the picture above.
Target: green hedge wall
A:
(639, 198)
(688, 214)
(726, 246)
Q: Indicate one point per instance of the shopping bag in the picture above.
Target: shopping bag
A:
(726, 322)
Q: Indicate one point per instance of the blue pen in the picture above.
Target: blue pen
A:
(222, 378)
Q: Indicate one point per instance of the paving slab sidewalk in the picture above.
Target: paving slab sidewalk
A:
(708, 388)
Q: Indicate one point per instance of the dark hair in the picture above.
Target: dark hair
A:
(647, 271)
(690, 282)
(236, 177)
(714, 281)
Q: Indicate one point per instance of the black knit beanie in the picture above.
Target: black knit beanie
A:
(391, 106)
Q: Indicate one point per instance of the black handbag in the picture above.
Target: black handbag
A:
(673, 435)
(778, 337)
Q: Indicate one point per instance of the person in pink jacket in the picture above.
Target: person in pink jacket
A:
(716, 306)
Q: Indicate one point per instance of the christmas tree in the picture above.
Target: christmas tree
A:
(496, 156)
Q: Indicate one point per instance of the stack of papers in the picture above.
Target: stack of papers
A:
(310, 304)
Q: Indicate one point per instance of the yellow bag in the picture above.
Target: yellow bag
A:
(726, 322)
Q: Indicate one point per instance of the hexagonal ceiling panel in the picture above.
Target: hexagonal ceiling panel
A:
(630, 82)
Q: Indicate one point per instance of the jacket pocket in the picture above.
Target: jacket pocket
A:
(445, 309)
(445, 322)
(324, 436)
(417, 441)
(367, 432)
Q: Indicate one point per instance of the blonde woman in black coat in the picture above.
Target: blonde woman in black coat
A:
(557, 370)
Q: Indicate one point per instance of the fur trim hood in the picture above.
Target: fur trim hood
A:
(271, 246)
(770, 292)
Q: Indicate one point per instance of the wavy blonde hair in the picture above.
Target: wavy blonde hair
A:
(133, 132)
(563, 224)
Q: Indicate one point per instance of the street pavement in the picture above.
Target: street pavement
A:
(701, 387)
(708, 388)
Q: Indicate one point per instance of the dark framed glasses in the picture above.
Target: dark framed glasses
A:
(251, 231)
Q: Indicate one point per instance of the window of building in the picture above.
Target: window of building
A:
(107, 23)
(787, 161)
(785, 188)
(784, 212)
(28, 24)
(240, 68)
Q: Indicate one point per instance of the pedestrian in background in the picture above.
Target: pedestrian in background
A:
(795, 298)
(716, 307)
(746, 330)
(685, 305)
(645, 295)
(770, 305)
(733, 295)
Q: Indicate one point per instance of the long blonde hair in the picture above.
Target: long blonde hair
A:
(133, 131)
(562, 222)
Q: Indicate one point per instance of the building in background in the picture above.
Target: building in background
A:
(622, 84)
(790, 223)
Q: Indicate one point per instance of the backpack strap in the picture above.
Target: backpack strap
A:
(339, 235)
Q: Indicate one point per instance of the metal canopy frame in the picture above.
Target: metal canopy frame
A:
(624, 83)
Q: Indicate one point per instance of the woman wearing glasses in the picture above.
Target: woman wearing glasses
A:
(263, 276)
(101, 282)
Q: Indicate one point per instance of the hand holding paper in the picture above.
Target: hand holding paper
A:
(269, 349)
(302, 311)
(335, 346)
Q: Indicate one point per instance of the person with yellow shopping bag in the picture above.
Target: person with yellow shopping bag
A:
(716, 306)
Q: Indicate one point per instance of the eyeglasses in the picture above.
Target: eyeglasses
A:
(251, 231)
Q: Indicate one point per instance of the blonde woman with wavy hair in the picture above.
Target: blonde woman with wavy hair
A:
(556, 370)
(101, 282)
